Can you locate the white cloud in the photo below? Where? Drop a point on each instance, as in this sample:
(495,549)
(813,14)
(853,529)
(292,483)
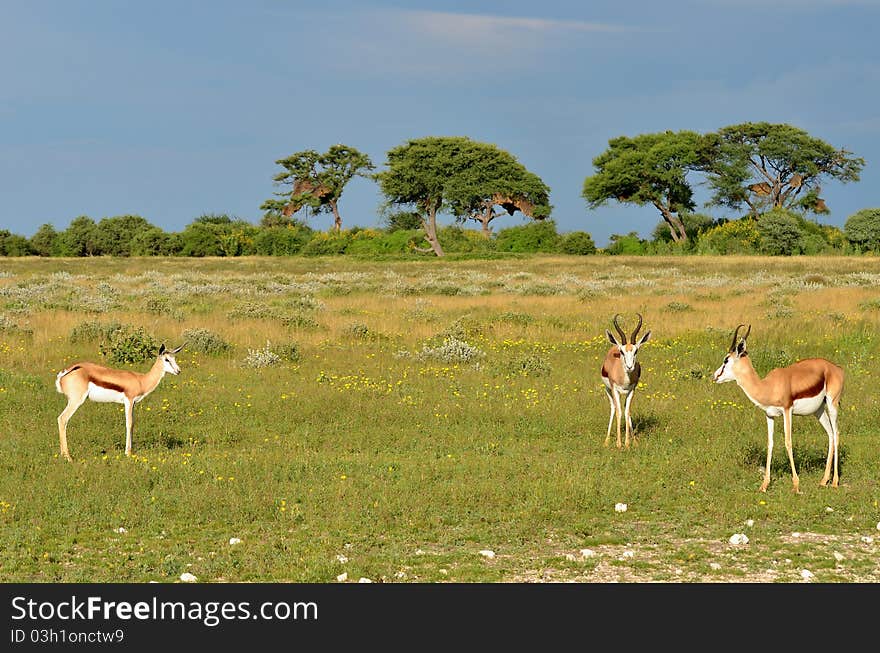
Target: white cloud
(436,43)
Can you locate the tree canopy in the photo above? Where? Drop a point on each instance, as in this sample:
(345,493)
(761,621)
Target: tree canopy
(464,177)
(772,166)
(317,181)
(648,169)
(862,229)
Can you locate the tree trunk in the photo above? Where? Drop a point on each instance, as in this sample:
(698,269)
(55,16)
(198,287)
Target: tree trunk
(485,219)
(676,227)
(430,225)
(337,219)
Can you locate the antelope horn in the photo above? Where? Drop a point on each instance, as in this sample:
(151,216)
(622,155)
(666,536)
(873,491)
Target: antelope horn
(638,326)
(735,333)
(619,330)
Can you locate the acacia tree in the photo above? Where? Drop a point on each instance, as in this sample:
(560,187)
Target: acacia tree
(317,182)
(648,169)
(490,177)
(464,177)
(772,166)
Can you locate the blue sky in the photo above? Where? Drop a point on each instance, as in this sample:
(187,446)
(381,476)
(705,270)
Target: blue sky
(170,110)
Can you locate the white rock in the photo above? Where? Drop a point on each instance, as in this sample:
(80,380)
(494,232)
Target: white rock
(629,553)
(750,522)
(341,558)
(838,556)
(795,534)
(187,577)
(587,553)
(806,574)
(739,538)
(342,577)
(829,509)
(121,529)
(364,580)
(234,540)
(419,552)
(714,565)
(487,553)
(867,539)
(620,507)
(570,557)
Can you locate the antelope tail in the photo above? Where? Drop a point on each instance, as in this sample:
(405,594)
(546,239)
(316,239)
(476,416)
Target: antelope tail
(61,375)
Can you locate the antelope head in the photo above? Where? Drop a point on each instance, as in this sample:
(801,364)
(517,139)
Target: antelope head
(736,351)
(169,363)
(628,350)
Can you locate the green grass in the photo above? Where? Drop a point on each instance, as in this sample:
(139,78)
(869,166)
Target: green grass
(407,465)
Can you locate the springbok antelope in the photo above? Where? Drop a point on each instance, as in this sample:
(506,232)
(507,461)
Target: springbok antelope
(620,374)
(808,387)
(86,380)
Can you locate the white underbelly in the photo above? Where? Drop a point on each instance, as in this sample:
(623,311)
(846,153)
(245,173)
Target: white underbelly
(808,405)
(105,395)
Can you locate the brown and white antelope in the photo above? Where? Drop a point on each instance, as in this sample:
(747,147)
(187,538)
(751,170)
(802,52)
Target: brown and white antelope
(620,374)
(808,387)
(86,380)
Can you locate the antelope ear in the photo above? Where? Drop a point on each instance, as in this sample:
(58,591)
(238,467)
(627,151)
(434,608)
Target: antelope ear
(741,348)
(644,338)
(174,351)
(162,349)
(611,338)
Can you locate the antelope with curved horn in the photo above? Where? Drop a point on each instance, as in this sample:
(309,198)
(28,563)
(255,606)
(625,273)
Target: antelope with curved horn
(808,387)
(86,380)
(620,374)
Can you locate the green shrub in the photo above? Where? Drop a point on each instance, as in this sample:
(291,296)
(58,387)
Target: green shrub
(628,245)
(458,240)
(205,342)
(128,345)
(288,352)
(536,236)
(299,320)
(781,233)
(327,243)
(577,242)
(528,365)
(94,331)
(251,310)
(162,305)
(731,237)
(282,241)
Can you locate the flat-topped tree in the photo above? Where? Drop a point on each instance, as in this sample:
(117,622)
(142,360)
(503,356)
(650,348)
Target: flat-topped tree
(772,166)
(492,178)
(648,169)
(317,181)
(465,178)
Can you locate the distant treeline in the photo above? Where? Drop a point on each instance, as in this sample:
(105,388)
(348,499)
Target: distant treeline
(778,232)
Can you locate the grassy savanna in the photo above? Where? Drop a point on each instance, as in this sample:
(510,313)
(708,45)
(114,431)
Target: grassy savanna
(372,448)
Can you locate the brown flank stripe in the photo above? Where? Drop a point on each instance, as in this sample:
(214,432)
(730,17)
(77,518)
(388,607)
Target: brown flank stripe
(810,391)
(108,386)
